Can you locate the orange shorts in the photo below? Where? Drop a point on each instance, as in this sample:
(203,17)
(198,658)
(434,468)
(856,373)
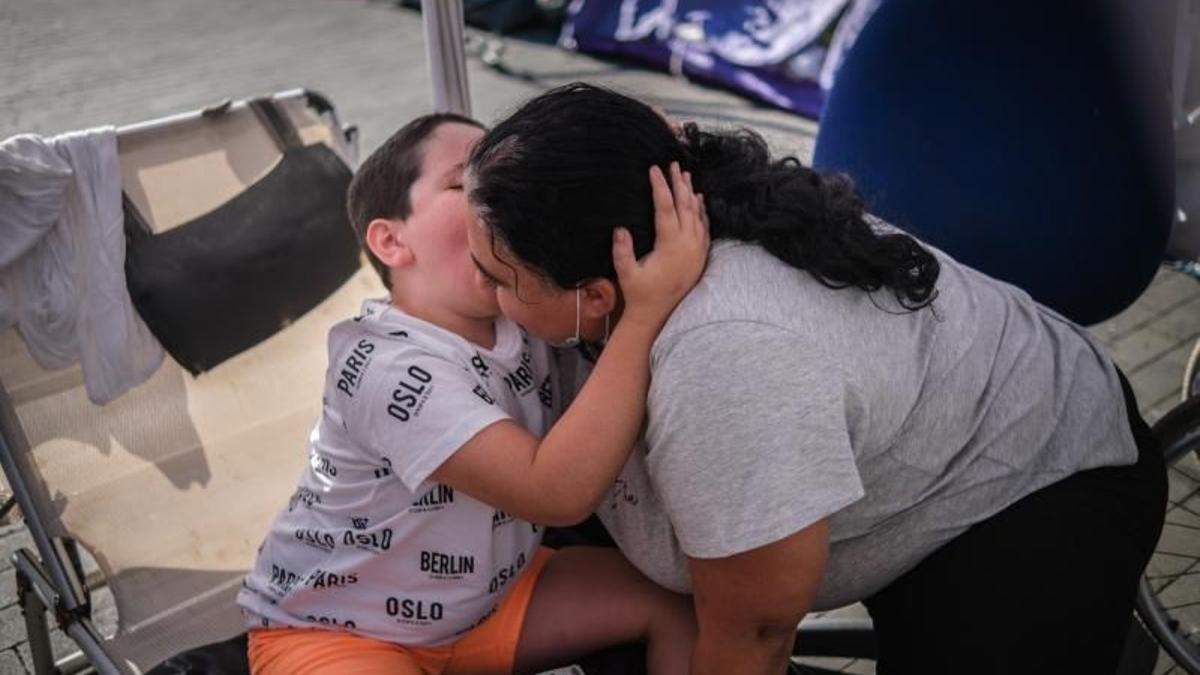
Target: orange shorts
(487,649)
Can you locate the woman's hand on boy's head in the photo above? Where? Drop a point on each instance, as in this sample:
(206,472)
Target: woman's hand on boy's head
(654,285)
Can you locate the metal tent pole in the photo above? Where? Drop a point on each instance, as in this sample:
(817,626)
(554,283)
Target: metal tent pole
(445,52)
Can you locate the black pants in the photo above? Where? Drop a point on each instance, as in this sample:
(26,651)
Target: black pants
(1045,586)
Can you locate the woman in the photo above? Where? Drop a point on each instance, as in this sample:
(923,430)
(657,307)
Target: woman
(837,413)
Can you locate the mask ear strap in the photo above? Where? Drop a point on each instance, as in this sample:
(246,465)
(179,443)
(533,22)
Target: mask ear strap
(606,317)
(577,313)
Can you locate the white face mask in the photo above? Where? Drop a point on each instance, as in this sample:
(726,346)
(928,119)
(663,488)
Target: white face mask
(576,339)
(572,341)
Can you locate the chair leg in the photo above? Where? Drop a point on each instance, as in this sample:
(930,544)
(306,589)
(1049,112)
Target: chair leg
(36,627)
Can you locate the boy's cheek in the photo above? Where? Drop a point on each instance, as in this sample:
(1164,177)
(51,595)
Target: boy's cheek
(486,303)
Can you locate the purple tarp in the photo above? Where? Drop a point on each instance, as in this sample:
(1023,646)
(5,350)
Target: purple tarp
(782,52)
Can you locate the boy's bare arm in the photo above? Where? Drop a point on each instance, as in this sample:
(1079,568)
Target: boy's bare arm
(560,479)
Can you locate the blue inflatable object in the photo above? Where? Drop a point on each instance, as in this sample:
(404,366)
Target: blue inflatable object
(1031,140)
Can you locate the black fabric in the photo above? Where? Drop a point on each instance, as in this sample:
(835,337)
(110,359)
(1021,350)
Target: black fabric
(591,532)
(1140,653)
(220,284)
(1045,586)
(229,658)
(496,16)
(218,658)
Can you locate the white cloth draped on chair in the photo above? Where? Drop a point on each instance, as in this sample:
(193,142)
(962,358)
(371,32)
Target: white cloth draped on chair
(62,260)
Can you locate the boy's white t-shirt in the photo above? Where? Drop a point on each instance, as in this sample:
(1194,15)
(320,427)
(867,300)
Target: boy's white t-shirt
(367,542)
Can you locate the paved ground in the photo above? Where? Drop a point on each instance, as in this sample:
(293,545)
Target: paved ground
(66,65)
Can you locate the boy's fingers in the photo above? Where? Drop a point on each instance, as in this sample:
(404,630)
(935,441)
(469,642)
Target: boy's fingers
(665,219)
(693,204)
(623,258)
(693,199)
(701,217)
(682,195)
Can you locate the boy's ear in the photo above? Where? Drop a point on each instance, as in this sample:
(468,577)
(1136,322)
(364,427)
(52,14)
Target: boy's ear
(599,298)
(386,241)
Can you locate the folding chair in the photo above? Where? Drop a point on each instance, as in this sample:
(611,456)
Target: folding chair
(172,486)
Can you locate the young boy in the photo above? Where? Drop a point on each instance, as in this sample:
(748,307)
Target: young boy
(378,565)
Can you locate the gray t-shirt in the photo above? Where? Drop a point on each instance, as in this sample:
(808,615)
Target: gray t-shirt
(776,402)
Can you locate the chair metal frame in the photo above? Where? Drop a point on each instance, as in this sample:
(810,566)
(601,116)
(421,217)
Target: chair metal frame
(1179,433)
(50,578)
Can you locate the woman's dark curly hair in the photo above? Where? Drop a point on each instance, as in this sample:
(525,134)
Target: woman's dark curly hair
(553,180)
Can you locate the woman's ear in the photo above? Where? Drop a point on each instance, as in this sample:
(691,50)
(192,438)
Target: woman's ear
(599,299)
(386,241)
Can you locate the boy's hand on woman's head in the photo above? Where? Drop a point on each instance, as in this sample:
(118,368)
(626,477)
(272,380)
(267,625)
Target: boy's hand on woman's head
(676,127)
(654,285)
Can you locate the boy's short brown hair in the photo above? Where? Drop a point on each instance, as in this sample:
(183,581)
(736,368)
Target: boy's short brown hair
(380,187)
